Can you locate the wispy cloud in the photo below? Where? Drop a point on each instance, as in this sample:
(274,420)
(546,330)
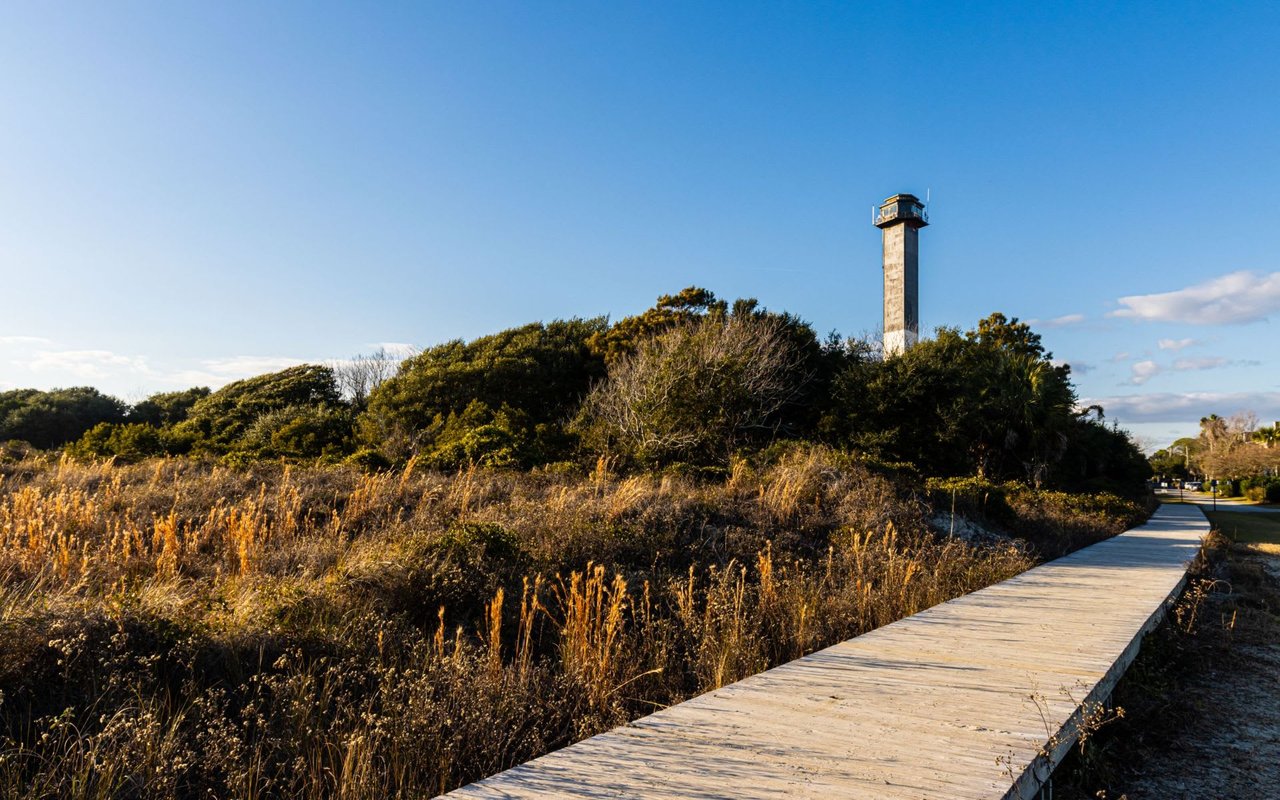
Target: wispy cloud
(1231,299)
(1143,371)
(1057,322)
(251,365)
(1185,407)
(1213,362)
(1176,344)
(30,361)
(219,371)
(396,349)
(1118,357)
(28,340)
(88,364)
(108,367)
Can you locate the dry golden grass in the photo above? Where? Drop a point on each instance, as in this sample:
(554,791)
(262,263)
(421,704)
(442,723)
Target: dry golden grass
(181,629)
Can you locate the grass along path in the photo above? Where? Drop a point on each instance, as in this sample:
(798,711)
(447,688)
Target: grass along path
(1247,527)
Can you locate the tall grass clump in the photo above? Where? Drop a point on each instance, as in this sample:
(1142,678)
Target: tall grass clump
(177,628)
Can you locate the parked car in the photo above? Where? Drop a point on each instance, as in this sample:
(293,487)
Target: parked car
(1193,486)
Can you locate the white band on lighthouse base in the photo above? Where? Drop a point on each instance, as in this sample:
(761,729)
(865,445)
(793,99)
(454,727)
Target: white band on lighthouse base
(896,342)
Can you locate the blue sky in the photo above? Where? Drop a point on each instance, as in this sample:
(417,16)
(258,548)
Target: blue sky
(191,193)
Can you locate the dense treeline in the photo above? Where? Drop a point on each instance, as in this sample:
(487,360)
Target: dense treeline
(689,384)
(51,419)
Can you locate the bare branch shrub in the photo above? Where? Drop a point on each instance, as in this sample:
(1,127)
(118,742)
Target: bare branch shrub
(359,375)
(696,392)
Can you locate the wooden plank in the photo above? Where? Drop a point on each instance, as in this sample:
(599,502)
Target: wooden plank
(976,697)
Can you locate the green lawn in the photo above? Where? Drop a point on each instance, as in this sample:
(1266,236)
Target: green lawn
(1244,526)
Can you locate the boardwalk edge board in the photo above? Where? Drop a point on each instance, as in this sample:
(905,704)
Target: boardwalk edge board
(1037,774)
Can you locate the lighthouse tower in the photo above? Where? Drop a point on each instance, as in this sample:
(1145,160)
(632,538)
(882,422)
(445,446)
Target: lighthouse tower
(900,219)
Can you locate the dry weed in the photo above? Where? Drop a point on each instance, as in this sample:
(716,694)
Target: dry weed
(181,629)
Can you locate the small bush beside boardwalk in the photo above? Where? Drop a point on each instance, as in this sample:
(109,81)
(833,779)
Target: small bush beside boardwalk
(179,628)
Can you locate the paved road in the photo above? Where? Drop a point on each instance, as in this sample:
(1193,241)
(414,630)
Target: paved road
(959,701)
(1224,504)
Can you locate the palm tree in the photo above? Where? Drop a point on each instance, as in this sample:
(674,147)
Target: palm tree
(1040,402)
(1213,428)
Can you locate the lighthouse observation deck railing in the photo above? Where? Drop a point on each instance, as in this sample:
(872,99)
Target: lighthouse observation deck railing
(898,211)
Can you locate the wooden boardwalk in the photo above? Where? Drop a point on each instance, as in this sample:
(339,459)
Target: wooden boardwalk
(973,698)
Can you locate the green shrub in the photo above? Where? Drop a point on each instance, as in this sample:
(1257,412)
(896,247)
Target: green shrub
(1262,489)
(458,569)
(1054,522)
(126,442)
(296,412)
(297,432)
(369,460)
(482,437)
(57,417)
(479,541)
(535,375)
(15,450)
(561,468)
(695,472)
(971,496)
(1059,522)
(167,408)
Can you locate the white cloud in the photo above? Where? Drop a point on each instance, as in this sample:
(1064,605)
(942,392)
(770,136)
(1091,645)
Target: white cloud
(1213,362)
(127,375)
(86,363)
(24,340)
(109,370)
(1057,322)
(1144,371)
(1187,407)
(250,365)
(396,349)
(1176,344)
(1234,298)
(216,372)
